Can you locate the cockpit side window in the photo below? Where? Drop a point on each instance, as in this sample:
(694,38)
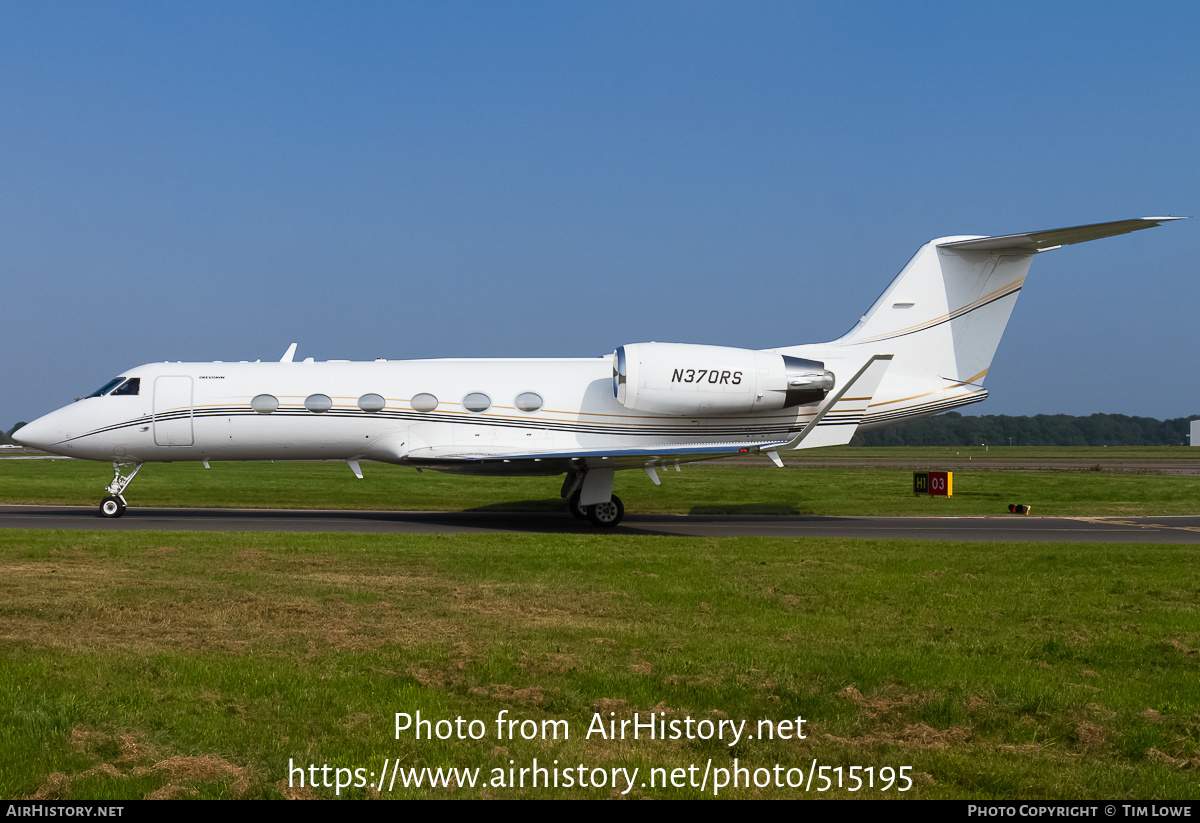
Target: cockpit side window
(119,385)
(129,387)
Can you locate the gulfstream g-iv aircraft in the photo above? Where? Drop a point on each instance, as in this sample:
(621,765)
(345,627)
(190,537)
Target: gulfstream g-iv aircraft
(923,347)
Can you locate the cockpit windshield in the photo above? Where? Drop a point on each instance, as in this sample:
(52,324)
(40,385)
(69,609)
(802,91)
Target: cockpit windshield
(107,387)
(119,385)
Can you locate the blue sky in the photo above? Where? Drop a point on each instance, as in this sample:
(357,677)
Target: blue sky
(213,181)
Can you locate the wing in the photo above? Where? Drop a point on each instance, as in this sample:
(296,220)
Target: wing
(834,424)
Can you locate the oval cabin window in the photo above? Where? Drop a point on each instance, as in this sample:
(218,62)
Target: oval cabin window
(318,403)
(477,401)
(424,402)
(264,403)
(371,402)
(528,401)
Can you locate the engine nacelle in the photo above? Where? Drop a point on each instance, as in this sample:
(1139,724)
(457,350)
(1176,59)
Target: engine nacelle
(681,378)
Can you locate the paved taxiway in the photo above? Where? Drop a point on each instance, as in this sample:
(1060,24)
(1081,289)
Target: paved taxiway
(1014,528)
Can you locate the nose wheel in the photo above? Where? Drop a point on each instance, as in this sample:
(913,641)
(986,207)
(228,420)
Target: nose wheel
(114,505)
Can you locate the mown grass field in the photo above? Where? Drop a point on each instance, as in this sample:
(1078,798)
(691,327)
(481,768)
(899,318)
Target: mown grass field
(184,665)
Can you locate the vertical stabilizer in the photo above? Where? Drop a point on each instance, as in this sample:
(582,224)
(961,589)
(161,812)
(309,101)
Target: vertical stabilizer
(943,316)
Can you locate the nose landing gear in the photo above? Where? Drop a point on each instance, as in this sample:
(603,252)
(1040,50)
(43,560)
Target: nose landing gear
(114,505)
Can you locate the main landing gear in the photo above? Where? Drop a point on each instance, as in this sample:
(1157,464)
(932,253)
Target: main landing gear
(114,505)
(595,485)
(606,514)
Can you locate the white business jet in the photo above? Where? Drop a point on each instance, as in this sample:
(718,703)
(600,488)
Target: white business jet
(923,347)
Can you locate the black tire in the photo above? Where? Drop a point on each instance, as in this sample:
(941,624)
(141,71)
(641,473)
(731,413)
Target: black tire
(607,515)
(576,509)
(112,507)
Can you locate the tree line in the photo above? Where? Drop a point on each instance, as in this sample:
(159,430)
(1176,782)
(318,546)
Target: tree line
(954,429)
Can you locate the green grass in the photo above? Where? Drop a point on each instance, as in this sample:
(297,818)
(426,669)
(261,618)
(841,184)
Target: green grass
(184,665)
(1105,482)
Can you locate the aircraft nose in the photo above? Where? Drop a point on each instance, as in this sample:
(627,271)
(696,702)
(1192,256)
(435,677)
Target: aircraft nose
(39,434)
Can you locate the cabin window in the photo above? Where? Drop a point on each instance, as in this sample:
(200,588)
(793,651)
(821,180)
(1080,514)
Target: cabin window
(265,403)
(477,401)
(423,402)
(318,403)
(528,401)
(371,402)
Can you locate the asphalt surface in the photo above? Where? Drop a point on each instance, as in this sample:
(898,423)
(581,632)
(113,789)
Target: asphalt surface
(1010,528)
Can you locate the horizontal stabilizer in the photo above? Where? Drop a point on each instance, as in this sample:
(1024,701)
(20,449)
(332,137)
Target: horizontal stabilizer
(1048,239)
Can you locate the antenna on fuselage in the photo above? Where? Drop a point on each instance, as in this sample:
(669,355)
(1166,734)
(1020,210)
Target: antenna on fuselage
(289,354)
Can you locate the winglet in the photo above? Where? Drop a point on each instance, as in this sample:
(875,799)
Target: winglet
(289,354)
(839,418)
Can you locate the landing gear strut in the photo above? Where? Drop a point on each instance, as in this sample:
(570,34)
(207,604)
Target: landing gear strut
(114,505)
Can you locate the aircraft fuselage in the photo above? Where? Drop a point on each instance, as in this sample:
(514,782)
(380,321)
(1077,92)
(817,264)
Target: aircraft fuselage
(414,412)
